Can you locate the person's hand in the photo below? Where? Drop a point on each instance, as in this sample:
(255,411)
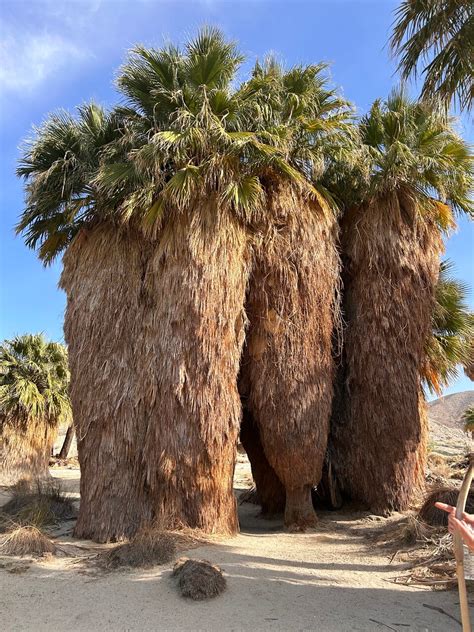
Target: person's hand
(459,526)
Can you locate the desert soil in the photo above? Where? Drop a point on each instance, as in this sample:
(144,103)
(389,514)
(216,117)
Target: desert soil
(332,580)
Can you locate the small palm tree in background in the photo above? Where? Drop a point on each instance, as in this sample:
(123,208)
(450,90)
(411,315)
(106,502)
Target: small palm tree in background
(412,170)
(448,344)
(439,34)
(468,418)
(34,401)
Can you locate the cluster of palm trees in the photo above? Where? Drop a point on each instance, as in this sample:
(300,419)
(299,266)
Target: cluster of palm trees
(243,251)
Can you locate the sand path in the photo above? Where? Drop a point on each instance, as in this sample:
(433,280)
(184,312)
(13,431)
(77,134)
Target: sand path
(329,581)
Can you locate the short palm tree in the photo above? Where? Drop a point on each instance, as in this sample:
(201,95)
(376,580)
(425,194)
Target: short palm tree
(412,171)
(447,346)
(287,369)
(155,270)
(439,33)
(468,418)
(34,401)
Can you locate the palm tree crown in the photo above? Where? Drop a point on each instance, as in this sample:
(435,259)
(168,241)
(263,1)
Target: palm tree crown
(59,165)
(440,32)
(411,150)
(34,379)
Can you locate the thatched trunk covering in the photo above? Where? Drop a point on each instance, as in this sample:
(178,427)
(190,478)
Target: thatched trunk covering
(155,336)
(25,449)
(198,279)
(378,442)
(291,306)
(108,348)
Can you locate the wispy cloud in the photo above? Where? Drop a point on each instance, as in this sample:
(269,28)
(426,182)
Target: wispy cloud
(26,60)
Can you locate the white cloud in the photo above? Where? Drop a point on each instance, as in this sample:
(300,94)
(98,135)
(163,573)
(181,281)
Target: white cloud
(26,60)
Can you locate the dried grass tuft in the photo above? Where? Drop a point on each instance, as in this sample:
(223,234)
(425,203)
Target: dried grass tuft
(150,547)
(448,494)
(40,507)
(26,540)
(199,579)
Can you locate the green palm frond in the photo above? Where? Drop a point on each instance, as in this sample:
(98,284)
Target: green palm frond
(186,134)
(59,166)
(447,347)
(440,35)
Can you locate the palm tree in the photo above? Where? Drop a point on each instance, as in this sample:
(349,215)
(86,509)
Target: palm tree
(287,370)
(103,269)
(413,169)
(155,270)
(468,418)
(452,328)
(34,400)
(441,34)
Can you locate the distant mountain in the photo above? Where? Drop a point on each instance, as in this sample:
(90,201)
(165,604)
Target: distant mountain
(446,424)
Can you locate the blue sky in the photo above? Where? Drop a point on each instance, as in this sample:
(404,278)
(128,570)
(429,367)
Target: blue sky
(58,54)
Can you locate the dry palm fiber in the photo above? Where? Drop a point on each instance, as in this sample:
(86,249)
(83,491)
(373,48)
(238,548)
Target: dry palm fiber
(448,494)
(40,507)
(421,460)
(108,344)
(269,490)
(292,307)
(25,448)
(148,548)
(199,579)
(197,279)
(26,540)
(392,263)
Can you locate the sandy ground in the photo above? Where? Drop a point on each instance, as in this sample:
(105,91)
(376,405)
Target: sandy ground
(332,580)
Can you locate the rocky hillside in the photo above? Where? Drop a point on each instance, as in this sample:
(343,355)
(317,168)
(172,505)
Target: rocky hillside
(446,425)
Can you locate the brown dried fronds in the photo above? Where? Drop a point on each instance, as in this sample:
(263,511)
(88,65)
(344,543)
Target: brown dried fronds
(150,547)
(199,579)
(427,550)
(41,506)
(448,494)
(438,468)
(26,540)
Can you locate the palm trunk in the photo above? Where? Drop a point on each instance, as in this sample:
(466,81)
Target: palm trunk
(64,452)
(155,336)
(103,279)
(292,308)
(270,490)
(378,444)
(198,279)
(24,452)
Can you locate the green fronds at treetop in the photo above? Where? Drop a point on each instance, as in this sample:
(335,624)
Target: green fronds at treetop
(187,132)
(412,150)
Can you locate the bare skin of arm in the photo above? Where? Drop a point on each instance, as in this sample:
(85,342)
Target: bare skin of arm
(460,526)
